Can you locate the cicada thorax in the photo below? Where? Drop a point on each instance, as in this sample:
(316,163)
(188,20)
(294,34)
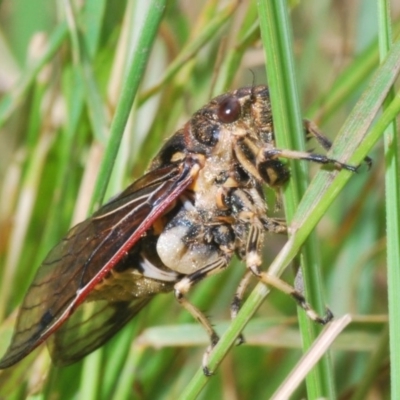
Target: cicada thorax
(213,215)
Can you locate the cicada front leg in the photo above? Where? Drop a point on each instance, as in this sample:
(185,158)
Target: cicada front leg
(273,154)
(312,132)
(268,157)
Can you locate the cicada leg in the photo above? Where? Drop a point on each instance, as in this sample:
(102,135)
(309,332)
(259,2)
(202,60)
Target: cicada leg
(272,154)
(253,262)
(274,225)
(239,294)
(182,287)
(238,298)
(312,131)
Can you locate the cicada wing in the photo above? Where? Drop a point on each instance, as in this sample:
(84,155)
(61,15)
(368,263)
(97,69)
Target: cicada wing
(90,327)
(89,251)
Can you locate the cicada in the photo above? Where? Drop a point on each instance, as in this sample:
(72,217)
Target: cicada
(200,202)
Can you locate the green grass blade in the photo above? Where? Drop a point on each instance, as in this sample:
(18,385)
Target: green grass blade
(289,131)
(129,89)
(392,196)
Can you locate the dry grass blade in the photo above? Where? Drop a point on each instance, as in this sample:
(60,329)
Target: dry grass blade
(313,355)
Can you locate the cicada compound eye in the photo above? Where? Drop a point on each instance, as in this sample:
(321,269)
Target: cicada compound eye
(229,110)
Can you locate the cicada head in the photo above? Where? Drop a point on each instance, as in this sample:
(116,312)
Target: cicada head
(216,127)
(232,129)
(245,112)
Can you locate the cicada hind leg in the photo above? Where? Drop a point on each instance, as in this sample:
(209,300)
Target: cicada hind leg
(253,262)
